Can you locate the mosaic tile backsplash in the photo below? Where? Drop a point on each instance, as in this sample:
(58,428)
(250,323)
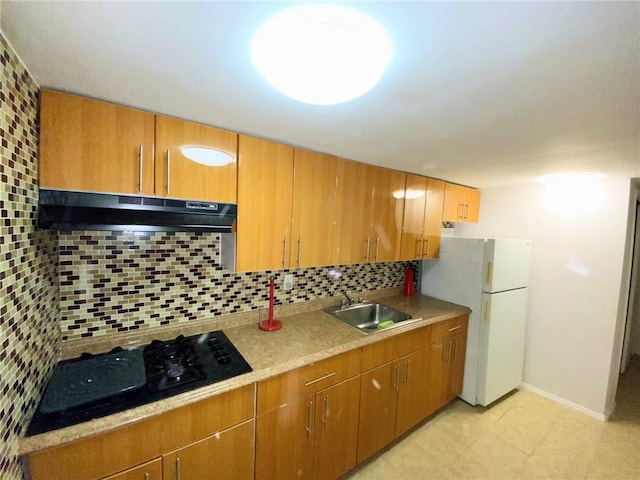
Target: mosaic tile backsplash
(114,282)
(29,329)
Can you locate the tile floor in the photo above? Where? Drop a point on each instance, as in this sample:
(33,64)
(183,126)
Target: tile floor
(523,436)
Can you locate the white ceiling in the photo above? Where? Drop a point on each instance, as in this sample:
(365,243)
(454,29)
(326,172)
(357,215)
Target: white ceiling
(477,93)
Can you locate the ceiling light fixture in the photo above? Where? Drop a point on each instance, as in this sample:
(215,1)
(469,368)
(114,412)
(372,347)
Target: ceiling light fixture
(207,156)
(321,54)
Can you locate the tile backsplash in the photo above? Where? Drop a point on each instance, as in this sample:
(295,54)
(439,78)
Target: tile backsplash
(29,328)
(114,282)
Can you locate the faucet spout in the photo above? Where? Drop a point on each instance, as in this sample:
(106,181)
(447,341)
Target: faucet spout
(349,301)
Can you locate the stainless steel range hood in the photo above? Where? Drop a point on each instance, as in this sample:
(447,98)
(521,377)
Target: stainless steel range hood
(69,210)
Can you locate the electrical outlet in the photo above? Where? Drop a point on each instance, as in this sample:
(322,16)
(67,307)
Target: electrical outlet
(288,282)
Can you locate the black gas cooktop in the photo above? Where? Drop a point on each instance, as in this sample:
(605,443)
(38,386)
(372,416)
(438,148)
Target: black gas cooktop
(93,386)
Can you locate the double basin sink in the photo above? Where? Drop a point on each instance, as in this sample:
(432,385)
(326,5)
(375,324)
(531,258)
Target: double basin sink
(369,317)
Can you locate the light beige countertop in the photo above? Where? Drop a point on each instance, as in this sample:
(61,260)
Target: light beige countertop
(306,337)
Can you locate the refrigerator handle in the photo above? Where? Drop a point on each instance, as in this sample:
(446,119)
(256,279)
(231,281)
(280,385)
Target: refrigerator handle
(487,307)
(489,278)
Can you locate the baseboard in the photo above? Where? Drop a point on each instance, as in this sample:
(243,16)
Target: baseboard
(564,401)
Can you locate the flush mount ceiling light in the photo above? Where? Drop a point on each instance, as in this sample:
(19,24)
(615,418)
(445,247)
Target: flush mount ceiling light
(409,194)
(321,54)
(207,156)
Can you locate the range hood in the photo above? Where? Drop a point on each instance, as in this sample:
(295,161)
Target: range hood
(70,210)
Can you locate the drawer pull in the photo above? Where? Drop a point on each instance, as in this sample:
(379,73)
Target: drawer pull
(178,474)
(452,329)
(324,377)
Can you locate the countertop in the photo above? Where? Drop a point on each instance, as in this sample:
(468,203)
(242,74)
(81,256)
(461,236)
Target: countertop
(306,337)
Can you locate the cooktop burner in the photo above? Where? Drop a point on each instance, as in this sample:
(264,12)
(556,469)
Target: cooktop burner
(93,386)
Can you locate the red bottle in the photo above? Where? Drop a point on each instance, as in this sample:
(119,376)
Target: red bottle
(408,282)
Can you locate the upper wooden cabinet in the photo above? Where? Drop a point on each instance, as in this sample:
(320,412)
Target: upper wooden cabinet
(422,222)
(265,199)
(387,214)
(461,204)
(313,222)
(355,215)
(180,177)
(90,145)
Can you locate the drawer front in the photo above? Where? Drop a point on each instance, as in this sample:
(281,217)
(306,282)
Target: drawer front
(196,421)
(148,471)
(395,347)
(307,380)
(448,328)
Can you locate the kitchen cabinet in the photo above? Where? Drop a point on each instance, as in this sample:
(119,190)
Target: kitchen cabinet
(448,347)
(265,199)
(226,454)
(307,420)
(461,204)
(355,197)
(387,214)
(423,203)
(313,223)
(90,145)
(131,447)
(149,471)
(178,176)
(393,395)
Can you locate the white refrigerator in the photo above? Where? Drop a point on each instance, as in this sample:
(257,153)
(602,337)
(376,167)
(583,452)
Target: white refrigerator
(490,276)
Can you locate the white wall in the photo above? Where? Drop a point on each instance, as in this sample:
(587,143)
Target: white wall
(577,266)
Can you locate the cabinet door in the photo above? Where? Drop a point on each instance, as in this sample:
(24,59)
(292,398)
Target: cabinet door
(415,195)
(314,209)
(437,391)
(412,391)
(180,177)
(355,203)
(453,210)
(433,218)
(265,198)
(227,454)
(387,214)
(336,429)
(149,471)
(456,365)
(284,441)
(378,402)
(472,198)
(95,146)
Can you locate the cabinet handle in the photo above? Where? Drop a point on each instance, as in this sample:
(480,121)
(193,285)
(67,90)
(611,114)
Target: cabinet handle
(147,476)
(140,160)
(396,376)
(426,255)
(461,205)
(368,247)
(453,329)
(455,349)
(310,419)
(299,250)
(406,375)
(466,212)
(377,245)
(421,248)
(178,474)
(324,377)
(326,411)
(168,171)
(284,249)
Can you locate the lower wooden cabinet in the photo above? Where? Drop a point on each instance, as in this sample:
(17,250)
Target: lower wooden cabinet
(226,454)
(314,437)
(149,471)
(447,363)
(393,399)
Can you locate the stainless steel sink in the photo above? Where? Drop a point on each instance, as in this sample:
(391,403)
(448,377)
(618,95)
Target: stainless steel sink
(369,317)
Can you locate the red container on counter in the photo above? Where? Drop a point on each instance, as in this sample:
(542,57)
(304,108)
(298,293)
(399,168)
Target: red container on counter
(408,282)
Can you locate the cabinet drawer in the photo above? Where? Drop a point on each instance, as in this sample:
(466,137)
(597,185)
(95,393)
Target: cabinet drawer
(448,328)
(201,419)
(395,347)
(149,471)
(307,380)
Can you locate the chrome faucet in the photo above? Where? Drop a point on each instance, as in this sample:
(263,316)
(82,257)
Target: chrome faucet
(344,303)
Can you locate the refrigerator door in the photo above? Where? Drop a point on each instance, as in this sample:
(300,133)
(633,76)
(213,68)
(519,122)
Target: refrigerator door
(506,264)
(501,347)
